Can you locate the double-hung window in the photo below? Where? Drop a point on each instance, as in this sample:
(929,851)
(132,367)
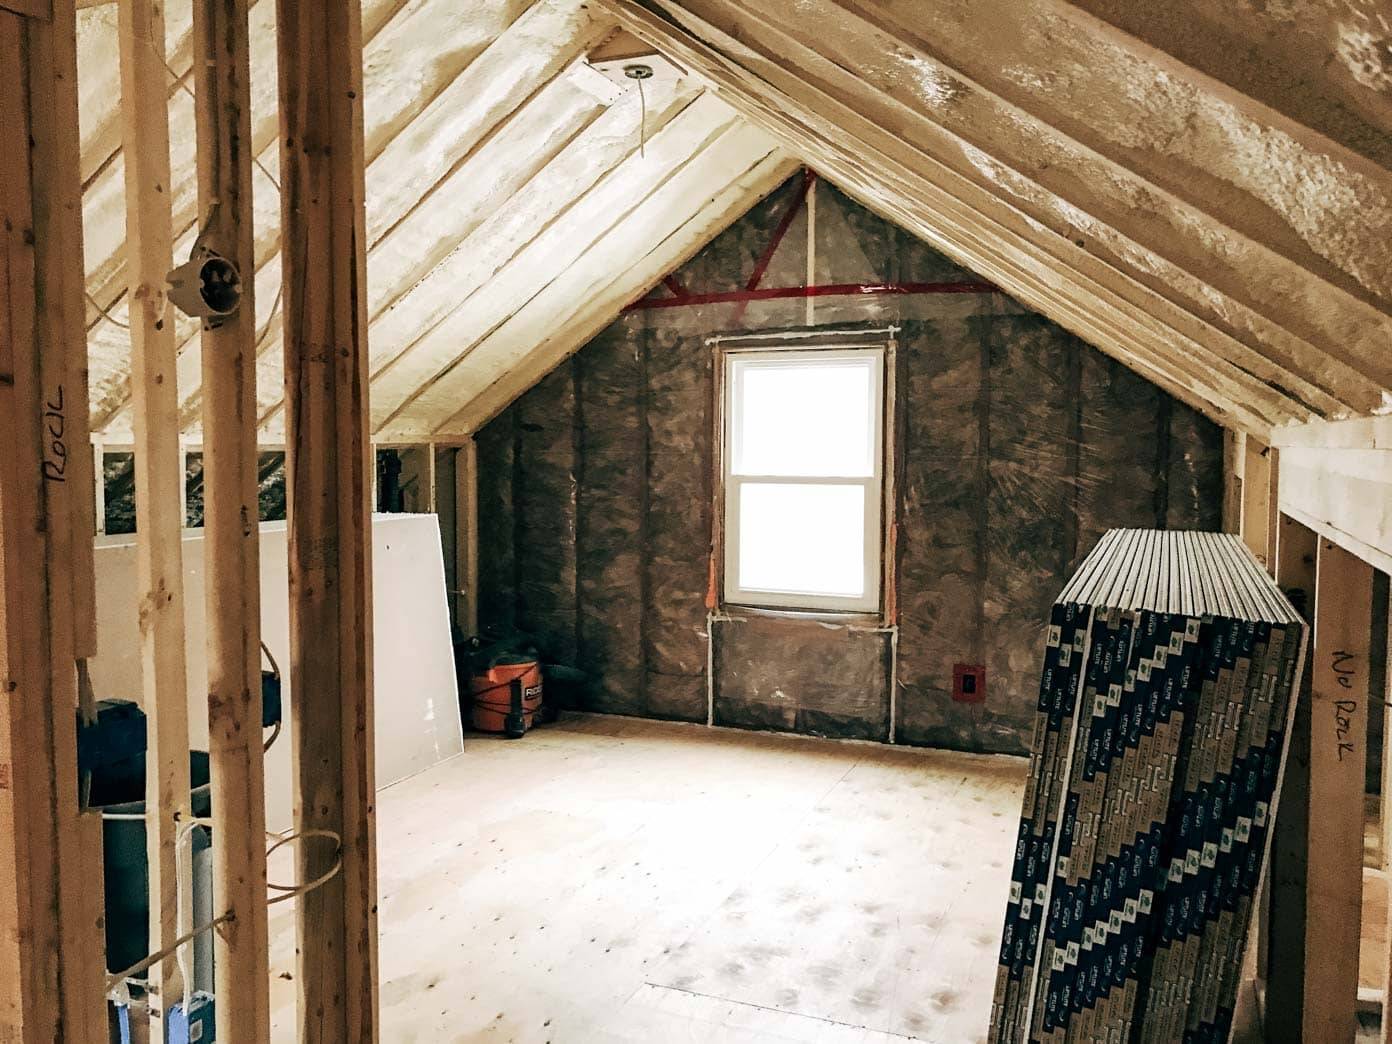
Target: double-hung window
(803,477)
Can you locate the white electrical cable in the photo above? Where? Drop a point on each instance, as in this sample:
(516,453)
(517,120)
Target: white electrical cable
(117,980)
(294,891)
(185,833)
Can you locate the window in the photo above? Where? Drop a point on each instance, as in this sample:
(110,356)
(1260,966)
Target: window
(803,478)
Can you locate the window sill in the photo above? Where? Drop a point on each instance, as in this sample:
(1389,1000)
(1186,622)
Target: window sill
(871,620)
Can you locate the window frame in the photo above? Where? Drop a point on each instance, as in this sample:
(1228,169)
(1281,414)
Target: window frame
(878,486)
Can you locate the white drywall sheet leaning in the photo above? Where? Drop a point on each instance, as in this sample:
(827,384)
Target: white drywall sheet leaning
(417,697)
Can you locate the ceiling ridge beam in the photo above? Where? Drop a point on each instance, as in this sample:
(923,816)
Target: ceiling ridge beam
(1045,281)
(1327,382)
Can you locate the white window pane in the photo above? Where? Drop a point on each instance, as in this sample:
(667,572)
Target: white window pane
(805,418)
(802,539)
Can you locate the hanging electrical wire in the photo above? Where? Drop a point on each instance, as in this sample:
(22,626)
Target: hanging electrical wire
(116,981)
(640,72)
(261,337)
(105,314)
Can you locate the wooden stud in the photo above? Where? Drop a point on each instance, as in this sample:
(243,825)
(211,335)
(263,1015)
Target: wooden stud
(39,9)
(466,541)
(1387,840)
(99,485)
(1234,460)
(330,540)
(1287,876)
(159,480)
(432,505)
(1386,709)
(51,954)
(222,65)
(1338,735)
(373,500)
(1259,499)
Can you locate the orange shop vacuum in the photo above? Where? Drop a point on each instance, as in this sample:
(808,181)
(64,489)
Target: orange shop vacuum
(506,698)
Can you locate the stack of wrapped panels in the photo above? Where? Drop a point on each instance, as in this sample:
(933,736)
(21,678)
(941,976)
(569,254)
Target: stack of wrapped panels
(1163,718)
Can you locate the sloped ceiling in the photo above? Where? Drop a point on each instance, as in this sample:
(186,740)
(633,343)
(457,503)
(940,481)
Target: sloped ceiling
(517,199)
(1227,238)
(1203,191)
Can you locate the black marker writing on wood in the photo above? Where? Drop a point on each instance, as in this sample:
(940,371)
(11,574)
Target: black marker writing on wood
(55,465)
(1344,669)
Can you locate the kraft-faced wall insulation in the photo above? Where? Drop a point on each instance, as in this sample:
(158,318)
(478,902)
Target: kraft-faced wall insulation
(611,517)
(497,567)
(1018,448)
(545,503)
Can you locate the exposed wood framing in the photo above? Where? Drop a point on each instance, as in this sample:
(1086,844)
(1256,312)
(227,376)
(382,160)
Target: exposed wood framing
(231,535)
(328,479)
(534,341)
(419,150)
(99,485)
(396,28)
(1234,463)
(1337,479)
(858,83)
(1338,738)
(1287,877)
(1224,237)
(1382,703)
(51,954)
(159,482)
(466,540)
(1260,479)
(40,9)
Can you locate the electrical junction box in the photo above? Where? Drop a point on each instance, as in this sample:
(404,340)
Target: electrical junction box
(192,1022)
(968,683)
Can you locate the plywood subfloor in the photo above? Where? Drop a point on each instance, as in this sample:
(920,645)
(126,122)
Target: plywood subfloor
(609,879)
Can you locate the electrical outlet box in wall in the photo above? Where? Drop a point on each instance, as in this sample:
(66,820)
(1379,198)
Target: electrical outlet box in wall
(968,683)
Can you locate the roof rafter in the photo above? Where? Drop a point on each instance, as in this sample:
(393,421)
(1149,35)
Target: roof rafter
(604,296)
(1327,383)
(558,245)
(729,152)
(419,142)
(534,193)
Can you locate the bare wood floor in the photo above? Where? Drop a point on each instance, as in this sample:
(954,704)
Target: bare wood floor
(615,880)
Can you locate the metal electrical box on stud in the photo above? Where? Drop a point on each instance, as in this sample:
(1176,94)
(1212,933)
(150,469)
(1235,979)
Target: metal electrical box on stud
(968,683)
(207,286)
